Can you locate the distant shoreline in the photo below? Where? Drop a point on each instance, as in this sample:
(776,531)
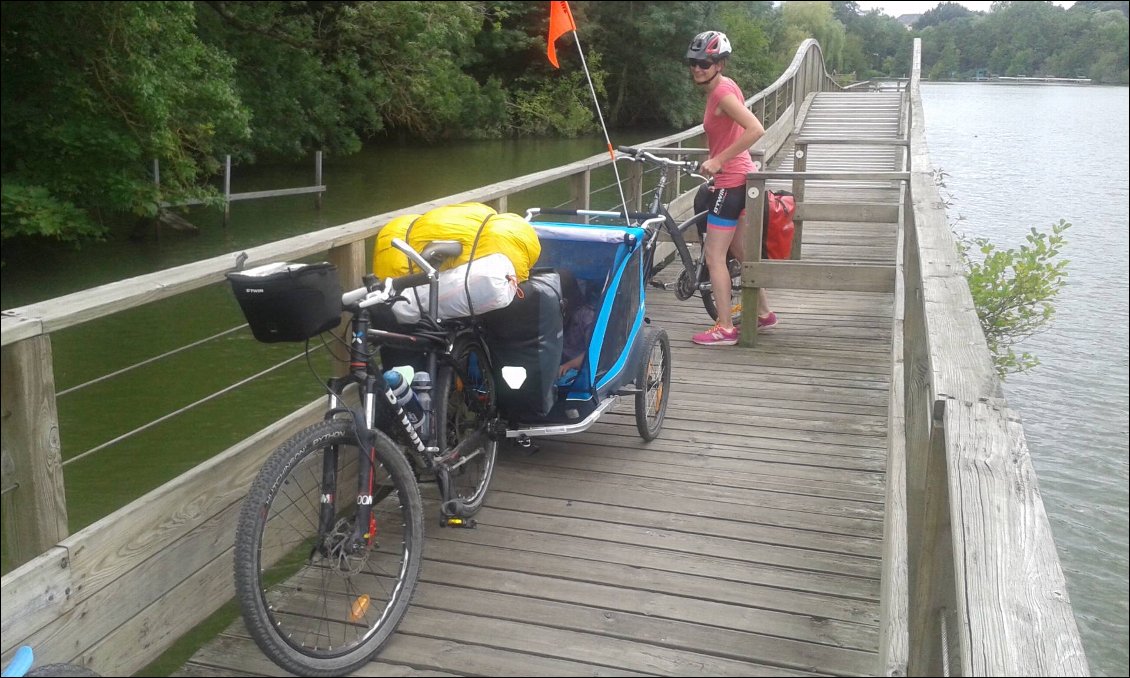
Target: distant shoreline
(1025,80)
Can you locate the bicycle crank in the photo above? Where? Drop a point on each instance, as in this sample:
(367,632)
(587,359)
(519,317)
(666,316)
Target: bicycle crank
(685,286)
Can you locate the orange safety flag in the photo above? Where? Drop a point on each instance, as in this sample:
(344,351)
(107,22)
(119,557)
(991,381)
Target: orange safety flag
(560,23)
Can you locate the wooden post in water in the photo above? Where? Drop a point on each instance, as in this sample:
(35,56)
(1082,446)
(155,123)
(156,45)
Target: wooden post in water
(227,189)
(318,179)
(34,500)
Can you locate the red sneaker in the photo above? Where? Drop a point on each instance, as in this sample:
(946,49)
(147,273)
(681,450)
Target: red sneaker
(716,336)
(767,322)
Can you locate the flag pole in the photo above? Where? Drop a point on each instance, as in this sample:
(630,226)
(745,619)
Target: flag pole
(603,127)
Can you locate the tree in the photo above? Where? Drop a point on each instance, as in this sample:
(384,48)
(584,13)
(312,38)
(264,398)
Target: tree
(327,75)
(815,20)
(948,64)
(92,93)
(944,12)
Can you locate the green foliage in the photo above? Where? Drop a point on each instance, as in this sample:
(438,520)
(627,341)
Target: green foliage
(1013,291)
(33,211)
(92,93)
(816,20)
(561,106)
(1029,38)
(945,11)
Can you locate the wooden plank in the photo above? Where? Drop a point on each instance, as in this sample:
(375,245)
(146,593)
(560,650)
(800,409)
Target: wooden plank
(894,615)
(817,276)
(34,594)
(275,193)
(487,552)
(35,510)
(1012,596)
(130,599)
(857,212)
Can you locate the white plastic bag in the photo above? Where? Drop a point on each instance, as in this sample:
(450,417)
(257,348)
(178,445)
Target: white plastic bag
(491,283)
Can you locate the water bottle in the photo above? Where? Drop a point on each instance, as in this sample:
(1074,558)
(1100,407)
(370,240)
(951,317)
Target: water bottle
(406,397)
(422,387)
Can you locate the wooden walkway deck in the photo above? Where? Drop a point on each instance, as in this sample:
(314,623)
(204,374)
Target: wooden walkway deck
(745,540)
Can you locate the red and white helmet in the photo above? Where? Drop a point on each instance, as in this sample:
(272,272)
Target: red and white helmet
(713,45)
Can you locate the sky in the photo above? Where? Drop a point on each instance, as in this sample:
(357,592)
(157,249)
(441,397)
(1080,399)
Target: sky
(896,9)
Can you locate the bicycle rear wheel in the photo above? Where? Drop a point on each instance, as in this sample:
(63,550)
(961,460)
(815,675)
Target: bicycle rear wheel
(314,605)
(708,303)
(465,407)
(654,383)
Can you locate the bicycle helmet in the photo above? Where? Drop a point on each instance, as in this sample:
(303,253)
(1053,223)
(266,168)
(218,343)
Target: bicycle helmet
(712,45)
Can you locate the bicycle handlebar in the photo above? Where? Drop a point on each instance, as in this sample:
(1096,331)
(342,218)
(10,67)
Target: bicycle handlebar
(366,296)
(640,155)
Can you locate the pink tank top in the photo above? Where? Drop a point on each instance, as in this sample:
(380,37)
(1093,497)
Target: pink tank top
(722,132)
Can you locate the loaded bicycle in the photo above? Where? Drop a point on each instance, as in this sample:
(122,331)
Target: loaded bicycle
(329,540)
(695,275)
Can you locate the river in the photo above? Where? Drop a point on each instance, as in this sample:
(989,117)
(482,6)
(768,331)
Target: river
(1025,156)
(1017,157)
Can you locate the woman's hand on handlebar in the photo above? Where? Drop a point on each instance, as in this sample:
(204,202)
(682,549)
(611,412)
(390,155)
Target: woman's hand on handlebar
(710,167)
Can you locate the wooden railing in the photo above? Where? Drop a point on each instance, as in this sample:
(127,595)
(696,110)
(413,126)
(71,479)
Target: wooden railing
(972,582)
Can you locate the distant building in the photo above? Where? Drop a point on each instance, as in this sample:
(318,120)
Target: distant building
(908,20)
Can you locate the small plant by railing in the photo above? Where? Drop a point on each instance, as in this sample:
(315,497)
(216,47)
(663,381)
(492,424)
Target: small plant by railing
(1013,289)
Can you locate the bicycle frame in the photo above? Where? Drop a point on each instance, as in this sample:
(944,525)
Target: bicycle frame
(675,231)
(375,394)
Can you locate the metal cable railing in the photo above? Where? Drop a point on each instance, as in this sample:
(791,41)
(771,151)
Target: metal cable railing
(148,361)
(188,407)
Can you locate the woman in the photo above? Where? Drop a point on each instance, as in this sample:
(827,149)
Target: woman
(730,130)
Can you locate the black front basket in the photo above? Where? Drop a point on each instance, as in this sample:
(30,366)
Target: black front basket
(289,302)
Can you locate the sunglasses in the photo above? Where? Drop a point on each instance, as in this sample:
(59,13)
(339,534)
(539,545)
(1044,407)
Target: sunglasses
(702,64)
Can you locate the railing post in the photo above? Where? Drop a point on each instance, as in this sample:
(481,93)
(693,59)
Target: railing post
(350,262)
(580,185)
(499,204)
(750,226)
(34,498)
(932,627)
(635,187)
(800,164)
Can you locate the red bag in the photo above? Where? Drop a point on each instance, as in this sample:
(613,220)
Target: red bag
(777,236)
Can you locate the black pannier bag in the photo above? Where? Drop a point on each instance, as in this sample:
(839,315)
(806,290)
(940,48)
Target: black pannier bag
(526,337)
(289,302)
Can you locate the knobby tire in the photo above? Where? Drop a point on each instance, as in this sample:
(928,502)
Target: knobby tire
(315,611)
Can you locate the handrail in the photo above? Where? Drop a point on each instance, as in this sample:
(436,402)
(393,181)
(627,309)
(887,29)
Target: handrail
(987,592)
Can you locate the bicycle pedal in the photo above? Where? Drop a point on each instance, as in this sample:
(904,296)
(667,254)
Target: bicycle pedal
(663,285)
(453,521)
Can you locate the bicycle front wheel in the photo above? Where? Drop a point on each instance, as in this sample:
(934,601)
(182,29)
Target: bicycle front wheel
(466,410)
(708,302)
(317,601)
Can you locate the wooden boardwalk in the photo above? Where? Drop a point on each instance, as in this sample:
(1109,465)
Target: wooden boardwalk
(745,540)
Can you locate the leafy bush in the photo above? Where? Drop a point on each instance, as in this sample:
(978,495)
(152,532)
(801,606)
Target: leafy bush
(1013,291)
